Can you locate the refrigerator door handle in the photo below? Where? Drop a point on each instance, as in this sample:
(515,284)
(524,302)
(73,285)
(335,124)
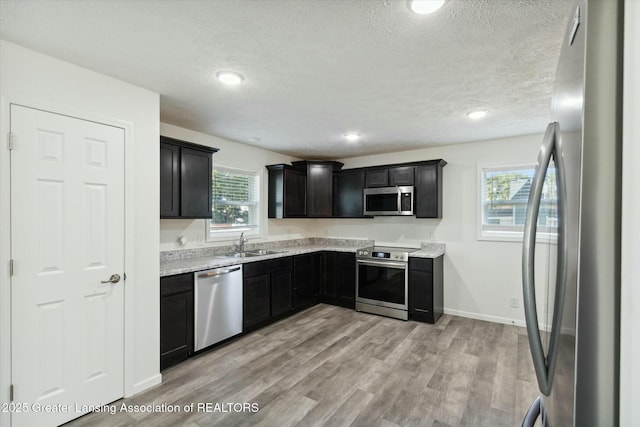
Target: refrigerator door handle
(535,411)
(544,366)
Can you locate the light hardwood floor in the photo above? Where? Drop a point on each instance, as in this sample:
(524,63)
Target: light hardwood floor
(330,366)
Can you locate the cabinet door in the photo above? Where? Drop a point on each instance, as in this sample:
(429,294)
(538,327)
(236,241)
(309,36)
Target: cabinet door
(295,193)
(428,196)
(169,180)
(421,290)
(319,190)
(377,178)
(401,175)
(281,292)
(195,185)
(256,300)
(330,277)
(346,276)
(176,319)
(305,276)
(347,195)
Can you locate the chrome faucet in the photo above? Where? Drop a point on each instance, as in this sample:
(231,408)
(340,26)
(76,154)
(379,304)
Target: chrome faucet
(242,242)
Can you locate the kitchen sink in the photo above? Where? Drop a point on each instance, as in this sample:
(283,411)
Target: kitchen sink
(259,252)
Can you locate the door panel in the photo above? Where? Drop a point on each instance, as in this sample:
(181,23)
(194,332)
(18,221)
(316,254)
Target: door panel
(67,209)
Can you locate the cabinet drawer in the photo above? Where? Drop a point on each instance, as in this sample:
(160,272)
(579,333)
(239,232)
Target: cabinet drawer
(264,267)
(421,264)
(170,285)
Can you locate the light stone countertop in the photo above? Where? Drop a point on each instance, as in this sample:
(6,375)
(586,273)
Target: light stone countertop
(188,261)
(429,250)
(178,262)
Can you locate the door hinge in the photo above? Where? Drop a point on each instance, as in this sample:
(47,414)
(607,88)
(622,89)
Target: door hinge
(10,141)
(10,268)
(11,393)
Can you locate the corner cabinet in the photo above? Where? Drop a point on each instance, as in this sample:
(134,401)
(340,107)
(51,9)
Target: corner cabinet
(319,186)
(185,179)
(287,192)
(176,319)
(425,289)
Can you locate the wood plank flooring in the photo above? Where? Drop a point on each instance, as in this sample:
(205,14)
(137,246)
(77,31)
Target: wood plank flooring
(331,366)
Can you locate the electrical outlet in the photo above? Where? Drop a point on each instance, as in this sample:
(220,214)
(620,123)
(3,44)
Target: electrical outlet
(513,302)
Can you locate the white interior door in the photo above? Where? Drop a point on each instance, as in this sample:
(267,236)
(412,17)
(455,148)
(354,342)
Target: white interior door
(67,237)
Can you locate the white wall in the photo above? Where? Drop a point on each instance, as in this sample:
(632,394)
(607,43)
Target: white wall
(37,80)
(233,155)
(630,253)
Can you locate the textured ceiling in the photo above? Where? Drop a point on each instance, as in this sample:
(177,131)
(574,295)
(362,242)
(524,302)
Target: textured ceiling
(316,69)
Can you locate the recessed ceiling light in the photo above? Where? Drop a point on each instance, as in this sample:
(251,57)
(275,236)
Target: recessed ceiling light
(422,7)
(476,115)
(352,136)
(230,77)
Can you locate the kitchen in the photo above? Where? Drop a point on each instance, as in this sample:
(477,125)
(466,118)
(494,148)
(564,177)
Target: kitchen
(473,288)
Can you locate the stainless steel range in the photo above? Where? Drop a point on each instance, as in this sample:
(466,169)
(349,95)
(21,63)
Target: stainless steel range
(382,281)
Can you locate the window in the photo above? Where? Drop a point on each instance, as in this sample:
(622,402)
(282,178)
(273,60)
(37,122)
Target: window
(503,202)
(235,203)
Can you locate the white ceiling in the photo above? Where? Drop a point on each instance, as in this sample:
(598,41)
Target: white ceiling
(316,69)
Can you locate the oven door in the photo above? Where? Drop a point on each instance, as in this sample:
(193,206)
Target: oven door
(382,283)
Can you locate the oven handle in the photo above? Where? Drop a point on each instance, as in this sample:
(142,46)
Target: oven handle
(389,264)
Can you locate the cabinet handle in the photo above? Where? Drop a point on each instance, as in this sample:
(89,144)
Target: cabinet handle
(217,272)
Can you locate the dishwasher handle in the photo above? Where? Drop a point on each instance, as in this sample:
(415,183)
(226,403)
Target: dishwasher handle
(219,272)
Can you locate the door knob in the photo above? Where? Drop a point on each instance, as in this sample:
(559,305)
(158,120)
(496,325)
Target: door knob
(115,278)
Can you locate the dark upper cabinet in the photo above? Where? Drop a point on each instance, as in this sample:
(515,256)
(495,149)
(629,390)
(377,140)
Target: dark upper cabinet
(185,179)
(319,186)
(169,180)
(321,189)
(287,192)
(347,193)
(401,176)
(426,289)
(375,177)
(428,191)
(176,319)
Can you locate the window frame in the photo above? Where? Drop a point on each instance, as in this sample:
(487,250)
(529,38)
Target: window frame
(503,235)
(234,233)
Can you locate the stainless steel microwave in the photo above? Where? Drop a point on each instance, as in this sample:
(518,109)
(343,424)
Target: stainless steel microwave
(388,201)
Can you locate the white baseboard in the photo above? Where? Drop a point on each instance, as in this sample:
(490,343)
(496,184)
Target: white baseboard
(144,385)
(486,317)
(496,319)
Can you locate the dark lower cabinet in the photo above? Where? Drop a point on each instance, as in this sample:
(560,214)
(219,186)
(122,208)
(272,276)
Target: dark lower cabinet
(307,280)
(267,291)
(256,300)
(281,292)
(339,282)
(425,289)
(176,319)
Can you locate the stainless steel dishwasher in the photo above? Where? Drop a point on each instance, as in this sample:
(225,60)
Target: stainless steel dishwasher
(218,305)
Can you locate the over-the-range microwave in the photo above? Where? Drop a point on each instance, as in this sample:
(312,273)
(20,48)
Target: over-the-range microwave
(388,201)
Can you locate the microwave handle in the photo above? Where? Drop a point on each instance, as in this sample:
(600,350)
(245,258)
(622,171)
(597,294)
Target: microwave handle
(399,201)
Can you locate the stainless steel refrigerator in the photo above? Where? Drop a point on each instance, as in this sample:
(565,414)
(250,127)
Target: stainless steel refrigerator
(572,305)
